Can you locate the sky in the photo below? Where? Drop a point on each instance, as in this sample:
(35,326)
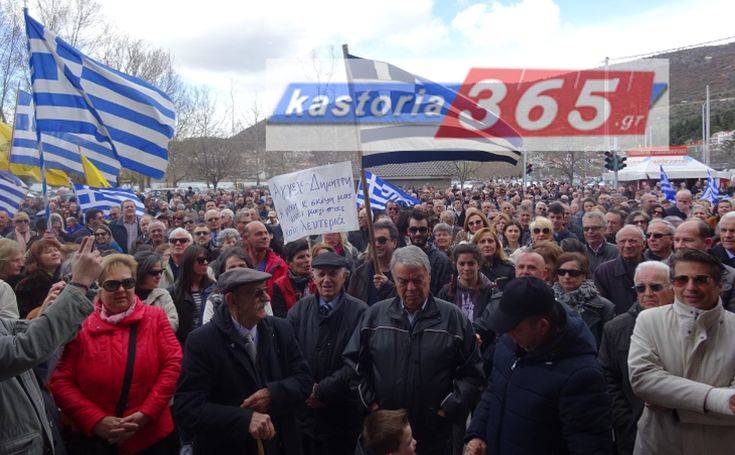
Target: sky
(226,44)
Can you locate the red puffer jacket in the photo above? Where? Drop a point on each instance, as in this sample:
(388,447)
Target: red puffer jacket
(88,380)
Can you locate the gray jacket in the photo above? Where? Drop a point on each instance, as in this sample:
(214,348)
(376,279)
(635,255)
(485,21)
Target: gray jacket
(24,428)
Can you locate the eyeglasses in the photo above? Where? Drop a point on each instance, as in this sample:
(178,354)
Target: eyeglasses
(699,280)
(201,260)
(21,221)
(539,230)
(381,240)
(655,287)
(178,241)
(656,235)
(188,221)
(114,285)
(475,223)
(571,272)
(155,272)
(421,229)
(591,228)
(201,233)
(100,234)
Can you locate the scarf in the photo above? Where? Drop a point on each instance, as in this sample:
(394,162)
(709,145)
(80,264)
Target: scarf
(577,298)
(114,319)
(300,283)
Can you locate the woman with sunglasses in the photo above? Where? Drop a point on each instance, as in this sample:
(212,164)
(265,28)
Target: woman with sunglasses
(473,222)
(191,290)
(542,230)
(656,211)
(147,281)
(638,218)
(495,266)
(574,288)
(104,242)
(122,338)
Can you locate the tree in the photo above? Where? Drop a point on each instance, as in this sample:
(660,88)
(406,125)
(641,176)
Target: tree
(11,57)
(465,170)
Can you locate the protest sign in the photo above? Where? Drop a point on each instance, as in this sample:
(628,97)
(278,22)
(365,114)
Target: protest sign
(315,201)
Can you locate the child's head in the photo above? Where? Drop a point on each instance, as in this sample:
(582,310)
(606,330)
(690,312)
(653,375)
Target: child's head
(388,433)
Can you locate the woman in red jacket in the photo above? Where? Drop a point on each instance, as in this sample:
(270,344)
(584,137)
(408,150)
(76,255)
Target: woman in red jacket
(288,289)
(117,405)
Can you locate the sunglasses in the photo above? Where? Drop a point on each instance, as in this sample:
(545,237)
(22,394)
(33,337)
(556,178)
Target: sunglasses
(381,240)
(639,221)
(422,229)
(178,241)
(202,260)
(655,287)
(155,272)
(201,233)
(544,230)
(188,221)
(572,273)
(699,280)
(114,285)
(591,228)
(475,223)
(100,234)
(656,235)
(21,221)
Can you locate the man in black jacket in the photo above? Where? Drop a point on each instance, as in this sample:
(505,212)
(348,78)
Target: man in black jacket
(243,375)
(323,324)
(653,288)
(546,393)
(418,353)
(441,267)
(614,279)
(725,251)
(126,229)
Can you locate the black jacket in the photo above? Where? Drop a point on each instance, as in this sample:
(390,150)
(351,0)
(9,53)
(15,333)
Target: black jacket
(322,341)
(607,252)
(431,366)
(499,272)
(614,280)
(719,252)
(627,408)
(549,401)
(189,318)
(217,375)
(31,291)
(362,288)
(120,233)
(441,268)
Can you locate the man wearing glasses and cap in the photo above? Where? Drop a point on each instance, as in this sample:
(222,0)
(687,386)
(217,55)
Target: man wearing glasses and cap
(653,288)
(323,324)
(546,393)
(243,376)
(681,364)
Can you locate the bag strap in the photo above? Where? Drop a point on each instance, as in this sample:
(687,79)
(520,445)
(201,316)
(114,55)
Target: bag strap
(122,402)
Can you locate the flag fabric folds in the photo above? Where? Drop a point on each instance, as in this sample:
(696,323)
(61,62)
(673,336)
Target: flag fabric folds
(666,187)
(109,109)
(12,193)
(402,141)
(381,192)
(61,151)
(105,198)
(711,191)
(93,176)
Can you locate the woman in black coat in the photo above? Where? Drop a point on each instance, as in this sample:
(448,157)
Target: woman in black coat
(495,265)
(191,289)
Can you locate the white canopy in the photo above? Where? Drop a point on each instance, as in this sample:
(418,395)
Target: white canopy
(675,166)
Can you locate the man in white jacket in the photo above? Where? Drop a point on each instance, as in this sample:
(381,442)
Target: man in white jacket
(682,364)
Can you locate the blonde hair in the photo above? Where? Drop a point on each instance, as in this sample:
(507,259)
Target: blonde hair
(8,250)
(541,222)
(320,248)
(499,251)
(117,260)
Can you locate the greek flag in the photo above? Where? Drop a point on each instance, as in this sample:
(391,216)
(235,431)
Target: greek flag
(711,192)
(60,150)
(105,198)
(381,192)
(666,187)
(11,193)
(410,142)
(76,94)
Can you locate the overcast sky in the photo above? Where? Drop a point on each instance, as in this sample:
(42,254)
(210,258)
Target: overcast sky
(224,43)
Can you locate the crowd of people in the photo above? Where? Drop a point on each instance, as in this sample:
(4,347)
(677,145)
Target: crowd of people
(562,319)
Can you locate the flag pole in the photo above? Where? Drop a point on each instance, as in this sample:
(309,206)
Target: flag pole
(365,189)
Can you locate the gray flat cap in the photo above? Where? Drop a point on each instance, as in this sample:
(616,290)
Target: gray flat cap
(239,276)
(329,259)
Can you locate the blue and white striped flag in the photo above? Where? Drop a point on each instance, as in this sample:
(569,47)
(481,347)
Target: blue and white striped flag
(711,192)
(11,194)
(76,94)
(666,187)
(381,192)
(60,150)
(105,198)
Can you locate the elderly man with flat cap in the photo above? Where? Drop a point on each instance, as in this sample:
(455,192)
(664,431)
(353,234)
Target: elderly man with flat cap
(243,375)
(546,393)
(324,322)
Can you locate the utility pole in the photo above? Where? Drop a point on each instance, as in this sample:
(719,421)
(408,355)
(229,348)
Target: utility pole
(707,133)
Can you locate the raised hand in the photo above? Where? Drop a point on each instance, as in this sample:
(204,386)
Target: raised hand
(87,263)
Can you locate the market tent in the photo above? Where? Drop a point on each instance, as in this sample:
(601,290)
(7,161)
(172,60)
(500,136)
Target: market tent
(675,166)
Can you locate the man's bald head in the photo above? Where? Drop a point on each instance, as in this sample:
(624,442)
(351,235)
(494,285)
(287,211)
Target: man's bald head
(531,264)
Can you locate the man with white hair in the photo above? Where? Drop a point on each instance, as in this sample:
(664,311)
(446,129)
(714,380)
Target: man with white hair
(179,240)
(614,279)
(227,219)
(418,353)
(725,251)
(653,288)
(660,240)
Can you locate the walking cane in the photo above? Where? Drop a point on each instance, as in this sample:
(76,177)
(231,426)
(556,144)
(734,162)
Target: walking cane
(261,450)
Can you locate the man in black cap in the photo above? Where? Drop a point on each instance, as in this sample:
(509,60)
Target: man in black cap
(243,375)
(546,393)
(323,324)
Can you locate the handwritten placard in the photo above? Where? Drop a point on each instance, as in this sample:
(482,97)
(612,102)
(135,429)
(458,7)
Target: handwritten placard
(315,201)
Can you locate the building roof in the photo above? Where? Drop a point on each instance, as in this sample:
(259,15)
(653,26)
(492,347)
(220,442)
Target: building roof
(417,171)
